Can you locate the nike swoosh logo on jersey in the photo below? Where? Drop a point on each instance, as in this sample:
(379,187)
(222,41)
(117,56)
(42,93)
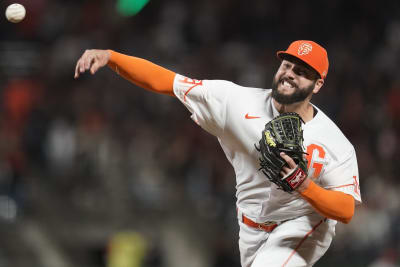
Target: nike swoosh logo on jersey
(247,116)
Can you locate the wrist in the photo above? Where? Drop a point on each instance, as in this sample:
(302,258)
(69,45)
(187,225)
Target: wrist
(110,55)
(304,185)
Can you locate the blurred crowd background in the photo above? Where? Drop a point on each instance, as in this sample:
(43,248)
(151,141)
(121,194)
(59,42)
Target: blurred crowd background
(98,172)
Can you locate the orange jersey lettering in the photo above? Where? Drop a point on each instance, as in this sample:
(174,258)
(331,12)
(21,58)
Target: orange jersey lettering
(316,160)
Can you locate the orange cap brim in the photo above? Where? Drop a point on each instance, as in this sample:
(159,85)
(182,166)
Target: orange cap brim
(310,53)
(280,53)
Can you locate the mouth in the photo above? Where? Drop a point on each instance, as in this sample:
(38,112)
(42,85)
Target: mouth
(287,83)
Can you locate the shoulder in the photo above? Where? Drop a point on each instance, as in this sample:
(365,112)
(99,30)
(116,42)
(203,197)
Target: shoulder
(323,131)
(204,90)
(237,92)
(222,84)
(234,87)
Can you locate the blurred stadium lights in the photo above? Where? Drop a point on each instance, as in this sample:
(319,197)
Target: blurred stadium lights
(130,7)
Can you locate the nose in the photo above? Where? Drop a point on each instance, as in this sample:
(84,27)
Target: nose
(289,73)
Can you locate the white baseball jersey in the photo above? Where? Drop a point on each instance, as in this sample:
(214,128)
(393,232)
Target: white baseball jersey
(236,115)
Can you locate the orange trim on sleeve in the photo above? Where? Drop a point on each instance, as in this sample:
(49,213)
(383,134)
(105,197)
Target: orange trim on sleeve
(332,204)
(143,73)
(341,186)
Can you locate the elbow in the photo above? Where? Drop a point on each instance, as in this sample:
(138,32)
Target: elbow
(349,213)
(161,88)
(163,84)
(346,219)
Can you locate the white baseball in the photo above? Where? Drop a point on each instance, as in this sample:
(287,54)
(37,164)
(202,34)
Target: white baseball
(15,13)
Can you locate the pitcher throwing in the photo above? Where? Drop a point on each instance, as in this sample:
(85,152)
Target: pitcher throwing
(278,226)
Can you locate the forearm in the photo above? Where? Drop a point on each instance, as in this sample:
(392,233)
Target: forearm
(142,73)
(332,204)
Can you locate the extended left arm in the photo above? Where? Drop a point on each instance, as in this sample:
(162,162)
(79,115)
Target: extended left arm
(331,204)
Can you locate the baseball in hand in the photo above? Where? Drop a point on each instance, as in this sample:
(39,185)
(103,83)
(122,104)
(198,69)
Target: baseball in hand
(15,13)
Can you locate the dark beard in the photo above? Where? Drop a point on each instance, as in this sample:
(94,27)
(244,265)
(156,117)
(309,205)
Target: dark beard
(298,95)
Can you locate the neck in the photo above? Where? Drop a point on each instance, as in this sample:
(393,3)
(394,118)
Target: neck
(304,109)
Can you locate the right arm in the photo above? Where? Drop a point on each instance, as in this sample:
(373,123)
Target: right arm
(136,70)
(205,99)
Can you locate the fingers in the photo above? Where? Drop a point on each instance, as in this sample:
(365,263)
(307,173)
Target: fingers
(288,160)
(88,61)
(80,67)
(285,171)
(77,69)
(91,60)
(84,63)
(95,67)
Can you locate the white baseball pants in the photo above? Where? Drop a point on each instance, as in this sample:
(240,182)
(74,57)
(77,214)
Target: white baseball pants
(298,242)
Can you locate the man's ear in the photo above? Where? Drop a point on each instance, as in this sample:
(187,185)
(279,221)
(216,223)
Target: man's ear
(318,85)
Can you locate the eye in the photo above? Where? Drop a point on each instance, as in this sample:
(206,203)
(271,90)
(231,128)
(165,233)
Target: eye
(301,72)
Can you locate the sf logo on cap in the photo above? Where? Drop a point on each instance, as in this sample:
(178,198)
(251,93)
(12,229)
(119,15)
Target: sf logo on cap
(304,49)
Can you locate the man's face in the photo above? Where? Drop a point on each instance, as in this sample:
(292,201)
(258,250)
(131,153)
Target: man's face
(293,82)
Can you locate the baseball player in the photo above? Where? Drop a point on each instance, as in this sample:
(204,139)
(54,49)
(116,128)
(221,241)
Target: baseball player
(276,228)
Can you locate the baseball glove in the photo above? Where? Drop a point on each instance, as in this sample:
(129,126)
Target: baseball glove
(283,134)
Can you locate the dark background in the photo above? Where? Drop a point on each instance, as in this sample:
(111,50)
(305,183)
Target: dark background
(98,172)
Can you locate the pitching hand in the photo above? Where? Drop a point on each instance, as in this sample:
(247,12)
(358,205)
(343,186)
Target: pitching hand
(92,60)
